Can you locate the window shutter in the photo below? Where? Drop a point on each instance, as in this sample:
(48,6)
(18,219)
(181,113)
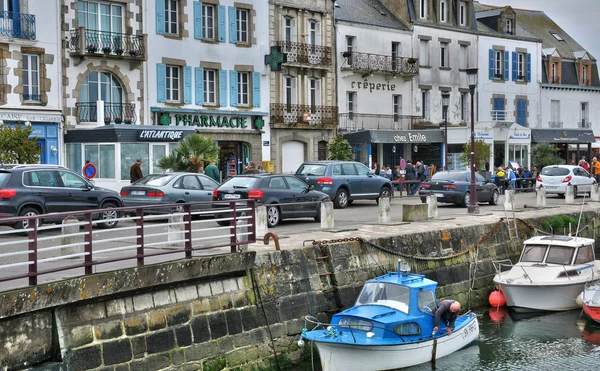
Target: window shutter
(514,66)
(161,83)
(293,23)
(318,32)
(160,17)
(223,88)
(232,25)
(233,82)
(199,72)
(187,85)
(256,89)
(491,64)
(528,67)
(197,20)
(506,66)
(222,23)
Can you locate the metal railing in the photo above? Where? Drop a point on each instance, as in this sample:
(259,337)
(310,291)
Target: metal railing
(356,61)
(17,25)
(318,55)
(94,42)
(368,121)
(300,113)
(117,113)
(501,115)
(555,124)
(585,124)
(141,238)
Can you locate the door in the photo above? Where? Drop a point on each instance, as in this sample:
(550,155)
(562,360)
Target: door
(158,152)
(208,185)
(292,156)
(191,191)
(278,192)
(582,180)
(369,183)
(301,195)
(78,194)
(46,189)
(353,180)
(483,189)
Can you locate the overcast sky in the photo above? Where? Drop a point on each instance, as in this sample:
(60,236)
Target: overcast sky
(579,18)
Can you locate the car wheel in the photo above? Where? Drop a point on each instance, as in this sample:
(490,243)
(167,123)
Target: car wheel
(341,199)
(575,191)
(223,223)
(110,216)
(466,199)
(318,216)
(385,192)
(273,216)
(494,199)
(27,211)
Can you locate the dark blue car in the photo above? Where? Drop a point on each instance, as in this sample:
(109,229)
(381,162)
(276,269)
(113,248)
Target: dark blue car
(453,187)
(344,181)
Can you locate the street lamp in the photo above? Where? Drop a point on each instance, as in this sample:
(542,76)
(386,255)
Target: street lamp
(445,103)
(473,207)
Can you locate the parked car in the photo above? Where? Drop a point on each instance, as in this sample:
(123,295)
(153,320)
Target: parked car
(28,190)
(169,188)
(555,179)
(453,187)
(344,181)
(271,190)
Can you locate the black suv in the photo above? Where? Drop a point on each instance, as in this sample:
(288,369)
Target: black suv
(28,190)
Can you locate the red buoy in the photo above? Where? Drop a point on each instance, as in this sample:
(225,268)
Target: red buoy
(496,299)
(497,314)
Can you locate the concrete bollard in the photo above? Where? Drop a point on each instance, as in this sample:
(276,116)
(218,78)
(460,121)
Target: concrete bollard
(509,200)
(176,232)
(432,206)
(595,193)
(327,219)
(385,215)
(262,227)
(570,195)
(242,229)
(541,196)
(68,228)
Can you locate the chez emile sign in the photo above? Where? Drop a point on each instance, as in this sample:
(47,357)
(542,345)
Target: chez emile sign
(405,136)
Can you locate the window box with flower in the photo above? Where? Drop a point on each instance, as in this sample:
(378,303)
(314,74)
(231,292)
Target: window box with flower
(133,53)
(107,120)
(106,50)
(118,120)
(92,48)
(128,122)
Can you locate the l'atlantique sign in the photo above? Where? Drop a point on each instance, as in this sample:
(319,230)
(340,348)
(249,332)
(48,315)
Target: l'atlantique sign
(211,121)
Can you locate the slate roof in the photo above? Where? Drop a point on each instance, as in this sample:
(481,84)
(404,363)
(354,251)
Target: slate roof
(370,12)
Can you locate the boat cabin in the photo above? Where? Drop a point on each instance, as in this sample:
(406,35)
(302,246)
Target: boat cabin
(558,250)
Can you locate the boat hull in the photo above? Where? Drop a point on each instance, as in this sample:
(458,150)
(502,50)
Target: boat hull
(343,356)
(592,311)
(541,297)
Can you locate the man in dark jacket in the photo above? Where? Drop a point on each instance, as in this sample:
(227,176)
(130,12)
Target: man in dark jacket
(447,312)
(250,169)
(411,174)
(212,171)
(135,172)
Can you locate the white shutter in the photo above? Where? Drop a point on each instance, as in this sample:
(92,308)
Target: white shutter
(317,92)
(294,91)
(294,31)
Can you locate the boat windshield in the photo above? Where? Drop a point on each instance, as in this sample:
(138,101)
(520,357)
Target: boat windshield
(388,294)
(560,255)
(534,253)
(585,254)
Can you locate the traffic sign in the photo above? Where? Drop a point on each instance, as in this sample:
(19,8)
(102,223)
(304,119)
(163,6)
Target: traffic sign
(403,164)
(89,170)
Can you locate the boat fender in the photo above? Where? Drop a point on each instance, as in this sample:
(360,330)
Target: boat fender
(579,301)
(497,299)
(301,343)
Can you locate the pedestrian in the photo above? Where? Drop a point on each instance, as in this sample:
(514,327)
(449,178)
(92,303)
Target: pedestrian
(447,312)
(135,172)
(250,169)
(212,171)
(512,177)
(421,177)
(593,167)
(411,175)
(597,170)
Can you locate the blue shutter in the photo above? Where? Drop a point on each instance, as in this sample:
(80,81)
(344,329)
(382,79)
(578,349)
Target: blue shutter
(514,66)
(16,21)
(233,82)
(199,72)
(160,17)
(506,65)
(256,89)
(491,64)
(222,23)
(223,88)
(232,25)
(197,20)
(161,83)
(528,67)
(187,85)
(498,109)
(522,112)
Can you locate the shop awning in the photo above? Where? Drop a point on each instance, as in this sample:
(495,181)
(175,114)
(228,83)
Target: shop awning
(563,136)
(396,136)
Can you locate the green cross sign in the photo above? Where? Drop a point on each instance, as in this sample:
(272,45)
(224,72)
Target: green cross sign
(259,123)
(275,59)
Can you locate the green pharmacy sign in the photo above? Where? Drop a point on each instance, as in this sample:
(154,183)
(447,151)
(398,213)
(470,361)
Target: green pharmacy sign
(211,121)
(275,59)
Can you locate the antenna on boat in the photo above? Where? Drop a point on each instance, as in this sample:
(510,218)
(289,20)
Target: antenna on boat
(403,268)
(580,214)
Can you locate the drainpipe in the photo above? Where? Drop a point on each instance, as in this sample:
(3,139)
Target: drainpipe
(335,63)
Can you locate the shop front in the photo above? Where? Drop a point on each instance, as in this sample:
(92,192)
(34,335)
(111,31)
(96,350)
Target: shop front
(572,144)
(388,147)
(45,128)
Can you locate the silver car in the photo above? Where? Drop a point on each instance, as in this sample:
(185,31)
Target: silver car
(555,179)
(169,188)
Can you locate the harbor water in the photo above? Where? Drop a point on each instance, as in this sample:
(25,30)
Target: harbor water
(534,341)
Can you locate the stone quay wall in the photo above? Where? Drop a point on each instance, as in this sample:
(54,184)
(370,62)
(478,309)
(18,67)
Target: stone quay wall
(240,311)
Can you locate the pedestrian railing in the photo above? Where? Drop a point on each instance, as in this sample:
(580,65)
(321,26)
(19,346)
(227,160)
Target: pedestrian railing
(143,235)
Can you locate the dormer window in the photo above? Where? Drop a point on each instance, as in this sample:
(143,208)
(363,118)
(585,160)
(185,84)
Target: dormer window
(553,73)
(509,26)
(423,9)
(443,11)
(584,75)
(462,14)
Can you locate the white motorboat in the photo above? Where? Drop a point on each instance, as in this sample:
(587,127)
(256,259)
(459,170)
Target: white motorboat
(551,272)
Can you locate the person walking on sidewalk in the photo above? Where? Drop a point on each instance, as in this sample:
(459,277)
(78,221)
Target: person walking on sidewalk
(135,172)
(212,171)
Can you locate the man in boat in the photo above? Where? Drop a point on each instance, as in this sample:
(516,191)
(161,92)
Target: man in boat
(448,312)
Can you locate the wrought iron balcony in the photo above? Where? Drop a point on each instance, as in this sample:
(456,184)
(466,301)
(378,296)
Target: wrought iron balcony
(370,121)
(114,113)
(585,124)
(17,25)
(367,62)
(84,42)
(555,124)
(314,55)
(282,113)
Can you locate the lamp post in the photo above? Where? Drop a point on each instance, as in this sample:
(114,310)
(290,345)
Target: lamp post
(473,207)
(445,103)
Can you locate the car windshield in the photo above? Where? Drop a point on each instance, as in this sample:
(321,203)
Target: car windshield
(449,175)
(555,171)
(311,169)
(156,180)
(240,182)
(4,176)
(388,294)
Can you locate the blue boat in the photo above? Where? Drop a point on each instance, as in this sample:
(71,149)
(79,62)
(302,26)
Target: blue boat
(389,327)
